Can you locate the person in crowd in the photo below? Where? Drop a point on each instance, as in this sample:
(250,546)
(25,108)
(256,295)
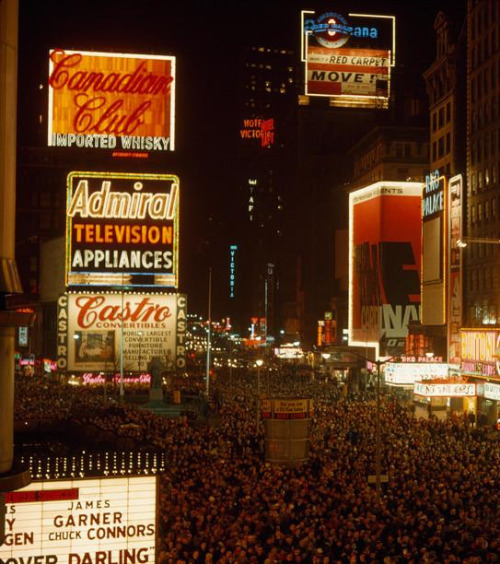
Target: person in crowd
(221,502)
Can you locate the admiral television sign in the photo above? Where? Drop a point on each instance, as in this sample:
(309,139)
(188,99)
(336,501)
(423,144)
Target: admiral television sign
(123,102)
(122,229)
(349,59)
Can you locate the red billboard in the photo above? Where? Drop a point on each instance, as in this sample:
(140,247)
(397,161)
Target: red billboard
(384,264)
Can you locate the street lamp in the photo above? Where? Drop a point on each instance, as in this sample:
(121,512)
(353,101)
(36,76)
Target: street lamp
(259,362)
(378,439)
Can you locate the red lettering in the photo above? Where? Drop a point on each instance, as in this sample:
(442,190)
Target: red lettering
(109,122)
(90,311)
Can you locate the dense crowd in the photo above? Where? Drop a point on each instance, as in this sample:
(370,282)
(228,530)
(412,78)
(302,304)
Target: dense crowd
(222,502)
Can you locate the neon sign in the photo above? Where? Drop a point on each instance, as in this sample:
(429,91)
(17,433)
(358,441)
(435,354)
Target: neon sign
(332,30)
(111,100)
(122,229)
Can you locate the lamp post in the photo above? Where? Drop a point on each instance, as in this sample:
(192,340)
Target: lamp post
(209,333)
(325,356)
(259,362)
(378,437)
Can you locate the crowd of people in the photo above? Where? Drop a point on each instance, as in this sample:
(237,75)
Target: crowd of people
(222,502)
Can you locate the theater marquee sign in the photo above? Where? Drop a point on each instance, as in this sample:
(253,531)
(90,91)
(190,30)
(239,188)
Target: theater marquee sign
(111,520)
(122,229)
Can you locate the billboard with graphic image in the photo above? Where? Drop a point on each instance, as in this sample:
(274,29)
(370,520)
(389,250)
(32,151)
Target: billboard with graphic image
(93,328)
(384,264)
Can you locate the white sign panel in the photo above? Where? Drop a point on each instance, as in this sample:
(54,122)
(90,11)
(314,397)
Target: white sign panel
(492,391)
(457,389)
(93,327)
(107,520)
(407,373)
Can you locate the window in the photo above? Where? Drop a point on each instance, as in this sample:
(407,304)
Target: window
(487,210)
(441,117)
(473,183)
(434,121)
(473,215)
(448,142)
(440,147)
(448,112)
(494,208)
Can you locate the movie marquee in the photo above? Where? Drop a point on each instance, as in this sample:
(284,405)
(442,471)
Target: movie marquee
(122,229)
(110,520)
(111,101)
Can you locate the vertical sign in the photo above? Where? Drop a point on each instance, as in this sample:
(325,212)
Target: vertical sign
(455,275)
(434,249)
(232,270)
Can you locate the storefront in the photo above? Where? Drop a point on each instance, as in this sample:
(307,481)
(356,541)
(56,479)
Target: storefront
(480,364)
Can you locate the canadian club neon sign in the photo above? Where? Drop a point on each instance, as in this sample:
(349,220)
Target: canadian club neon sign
(122,229)
(109,100)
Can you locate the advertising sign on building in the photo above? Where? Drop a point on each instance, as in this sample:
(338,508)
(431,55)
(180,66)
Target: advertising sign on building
(92,329)
(349,59)
(113,101)
(455,277)
(384,264)
(407,373)
(122,229)
(434,263)
(108,520)
(480,352)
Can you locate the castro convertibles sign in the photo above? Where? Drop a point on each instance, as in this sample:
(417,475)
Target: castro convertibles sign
(111,101)
(92,329)
(108,521)
(122,229)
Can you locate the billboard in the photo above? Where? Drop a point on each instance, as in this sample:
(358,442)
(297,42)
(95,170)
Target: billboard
(79,521)
(93,328)
(384,264)
(349,59)
(480,352)
(123,102)
(122,229)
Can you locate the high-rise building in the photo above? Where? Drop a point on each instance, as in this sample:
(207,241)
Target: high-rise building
(268,91)
(481,260)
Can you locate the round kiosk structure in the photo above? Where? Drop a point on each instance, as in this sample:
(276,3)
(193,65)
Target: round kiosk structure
(287,427)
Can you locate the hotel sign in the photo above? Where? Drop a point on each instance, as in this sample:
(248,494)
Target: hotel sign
(122,229)
(111,101)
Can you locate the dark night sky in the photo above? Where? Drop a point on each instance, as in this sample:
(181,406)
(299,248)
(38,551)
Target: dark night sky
(204,36)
